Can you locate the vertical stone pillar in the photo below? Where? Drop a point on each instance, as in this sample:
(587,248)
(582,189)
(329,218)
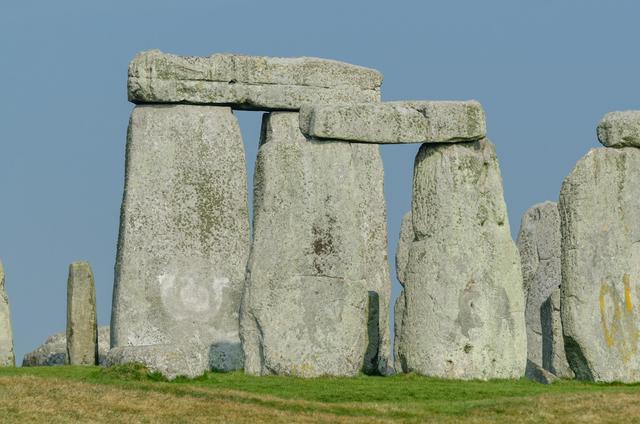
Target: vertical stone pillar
(318,285)
(184,239)
(539,246)
(464,304)
(402,257)
(7,355)
(82,321)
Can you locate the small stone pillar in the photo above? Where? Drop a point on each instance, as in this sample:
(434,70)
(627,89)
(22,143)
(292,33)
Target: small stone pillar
(82,323)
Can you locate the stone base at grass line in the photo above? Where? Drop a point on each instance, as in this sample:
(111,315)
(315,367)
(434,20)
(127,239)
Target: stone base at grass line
(54,350)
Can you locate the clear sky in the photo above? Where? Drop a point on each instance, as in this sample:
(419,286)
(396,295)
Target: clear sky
(545,71)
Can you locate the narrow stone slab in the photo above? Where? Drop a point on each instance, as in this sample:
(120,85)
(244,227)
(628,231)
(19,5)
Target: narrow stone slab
(82,320)
(7,355)
(600,300)
(402,258)
(318,283)
(464,304)
(53,351)
(248,82)
(395,122)
(620,129)
(184,231)
(539,246)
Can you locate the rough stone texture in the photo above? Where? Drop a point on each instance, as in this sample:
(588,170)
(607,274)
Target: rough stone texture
(248,82)
(54,350)
(539,245)
(538,374)
(318,283)
(600,221)
(402,257)
(395,122)
(184,232)
(464,312)
(620,129)
(82,320)
(7,355)
(169,360)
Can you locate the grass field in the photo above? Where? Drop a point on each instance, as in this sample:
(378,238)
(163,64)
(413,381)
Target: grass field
(130,395)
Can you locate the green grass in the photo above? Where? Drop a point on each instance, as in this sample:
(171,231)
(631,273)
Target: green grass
(396,398)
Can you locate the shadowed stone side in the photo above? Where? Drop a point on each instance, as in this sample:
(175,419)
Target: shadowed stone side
(464,311)
(184,233)
(539,246)
(82,321)
(402,257)
(7,355)
(54,350)
(600,299)
(248,82)
(318,283)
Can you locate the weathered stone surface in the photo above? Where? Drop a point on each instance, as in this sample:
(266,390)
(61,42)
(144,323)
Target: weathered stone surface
(318,283)
(464,311)
(169,360)
(539,246)
(402,257)
(82,320)
(7,355)
(600,221)
(538,374)
(620,129)
(248,82)
(54,350)
(184,231)
(395,122)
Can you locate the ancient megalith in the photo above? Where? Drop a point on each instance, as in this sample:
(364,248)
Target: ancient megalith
(539,246)
(600,299)
(184,236)
(248,82)
(318,283)
(7,355)
(402,257)
(54,350)
(82,320)
(464,304)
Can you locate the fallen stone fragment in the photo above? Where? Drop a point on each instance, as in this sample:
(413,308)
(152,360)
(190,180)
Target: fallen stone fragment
(248,82)
(539,246)
(169,360)
(184,232)
(464,310)
(54,350)
(395,122)
(82,320)
(600,300)
(402,257)
(7,355)
(620,129)
(538,374)
(318,283)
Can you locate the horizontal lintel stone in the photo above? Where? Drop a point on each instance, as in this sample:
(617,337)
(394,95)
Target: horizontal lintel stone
(620,129)
(395,122)
(248,82)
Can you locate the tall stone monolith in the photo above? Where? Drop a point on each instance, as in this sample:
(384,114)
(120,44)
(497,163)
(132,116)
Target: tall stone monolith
(7,355)
(184,238)
(402,257)
(318,284)
(464,311)
(600,300)
(82,320)
(539,246)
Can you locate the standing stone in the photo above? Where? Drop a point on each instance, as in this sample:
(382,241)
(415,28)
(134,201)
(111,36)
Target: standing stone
(184,236)
(82,320)
(539,245)
(464,311)
(248,82)
(600,222)
(318,285)
(7,356)
(402,257)
(53,351)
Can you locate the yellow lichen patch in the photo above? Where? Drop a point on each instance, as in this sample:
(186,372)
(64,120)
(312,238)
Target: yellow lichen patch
(627,294)
(620,330)
(608,333)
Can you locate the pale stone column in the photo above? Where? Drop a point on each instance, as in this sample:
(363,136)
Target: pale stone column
(82,321)
(7,355)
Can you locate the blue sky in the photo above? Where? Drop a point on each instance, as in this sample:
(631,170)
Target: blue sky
(545,72)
